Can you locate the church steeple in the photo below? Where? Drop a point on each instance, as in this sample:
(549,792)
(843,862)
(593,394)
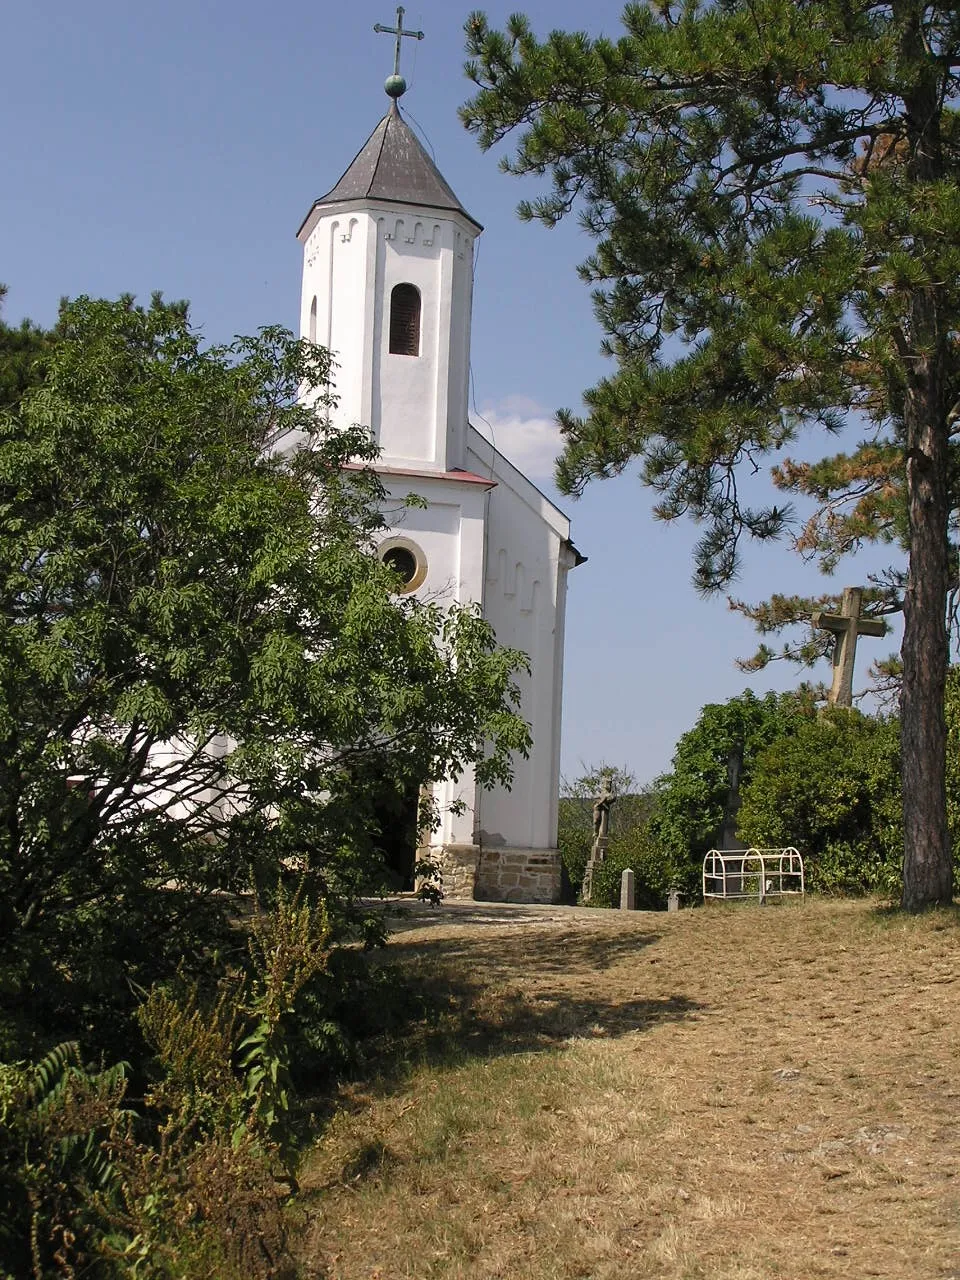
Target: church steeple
(393,166)
(388,287)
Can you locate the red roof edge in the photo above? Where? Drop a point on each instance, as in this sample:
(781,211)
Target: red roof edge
(457,476)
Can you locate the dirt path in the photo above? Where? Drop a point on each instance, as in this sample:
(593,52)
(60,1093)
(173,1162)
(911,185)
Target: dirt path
(726,1093)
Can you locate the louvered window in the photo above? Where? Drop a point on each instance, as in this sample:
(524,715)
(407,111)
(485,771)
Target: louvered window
(405,320)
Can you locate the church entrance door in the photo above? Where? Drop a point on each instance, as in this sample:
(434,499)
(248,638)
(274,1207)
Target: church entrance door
(396,817)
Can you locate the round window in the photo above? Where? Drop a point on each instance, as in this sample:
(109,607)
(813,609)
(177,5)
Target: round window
(402,561)
(406,560)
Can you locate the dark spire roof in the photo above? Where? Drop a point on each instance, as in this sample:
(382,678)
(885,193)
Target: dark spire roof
(392,165)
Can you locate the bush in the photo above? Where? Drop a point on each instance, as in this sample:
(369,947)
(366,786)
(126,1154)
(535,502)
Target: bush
(193,1184)
(574,839)
(653,870)
(832,789)
(694,799)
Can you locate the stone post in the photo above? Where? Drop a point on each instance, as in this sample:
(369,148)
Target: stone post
(628,891)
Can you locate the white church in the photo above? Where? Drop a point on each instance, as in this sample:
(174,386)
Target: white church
(387,287)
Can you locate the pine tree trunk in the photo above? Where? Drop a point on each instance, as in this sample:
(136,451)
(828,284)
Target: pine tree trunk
(927,860)
(927,857)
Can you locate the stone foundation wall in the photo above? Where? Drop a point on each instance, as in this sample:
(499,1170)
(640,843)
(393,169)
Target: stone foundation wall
(458,869)
(519,875)
(498,875)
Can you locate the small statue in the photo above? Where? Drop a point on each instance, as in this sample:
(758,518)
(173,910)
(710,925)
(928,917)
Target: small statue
(601,807)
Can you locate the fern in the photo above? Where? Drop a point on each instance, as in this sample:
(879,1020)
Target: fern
(55,1162)
(71,1107)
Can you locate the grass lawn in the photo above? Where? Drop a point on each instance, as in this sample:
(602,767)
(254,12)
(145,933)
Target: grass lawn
(731,1093)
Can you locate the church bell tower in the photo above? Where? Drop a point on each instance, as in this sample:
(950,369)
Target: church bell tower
(388,256)
(388,287)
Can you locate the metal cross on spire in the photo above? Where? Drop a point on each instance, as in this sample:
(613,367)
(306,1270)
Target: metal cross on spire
(395,85)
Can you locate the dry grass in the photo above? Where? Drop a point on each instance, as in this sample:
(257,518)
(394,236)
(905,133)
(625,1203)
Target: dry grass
(731,1094)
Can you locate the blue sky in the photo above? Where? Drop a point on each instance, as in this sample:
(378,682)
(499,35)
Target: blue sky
(178,147)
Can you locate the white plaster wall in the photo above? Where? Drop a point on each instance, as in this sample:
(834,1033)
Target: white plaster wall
(524,599)
(450,532)
(334,268)
(456,312)
(406,389)
(506,546)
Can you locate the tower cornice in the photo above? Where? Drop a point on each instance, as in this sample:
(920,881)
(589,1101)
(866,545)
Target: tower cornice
(321,210)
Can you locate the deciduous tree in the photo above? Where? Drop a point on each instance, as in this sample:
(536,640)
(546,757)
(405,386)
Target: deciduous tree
(832,790)
(201,656)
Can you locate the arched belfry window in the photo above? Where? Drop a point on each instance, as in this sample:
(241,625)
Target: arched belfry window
(313,320)
(405,320)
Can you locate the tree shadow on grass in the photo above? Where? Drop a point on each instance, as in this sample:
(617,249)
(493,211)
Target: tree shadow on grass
(466,1020)
(563,953)
(532,990)
(449,1001)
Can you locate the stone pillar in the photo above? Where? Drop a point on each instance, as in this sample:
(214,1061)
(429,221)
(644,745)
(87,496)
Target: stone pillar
(628,891)
(597,855)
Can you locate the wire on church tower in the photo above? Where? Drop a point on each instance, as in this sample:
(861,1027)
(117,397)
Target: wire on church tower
(422,132)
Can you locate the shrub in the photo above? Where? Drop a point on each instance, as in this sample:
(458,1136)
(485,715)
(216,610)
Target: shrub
(694,800)
(194,1184)
(575,835)
(832,789)
(653,869)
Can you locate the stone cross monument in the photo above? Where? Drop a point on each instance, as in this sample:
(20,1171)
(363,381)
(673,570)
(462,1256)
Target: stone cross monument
(601,830)
(846,626)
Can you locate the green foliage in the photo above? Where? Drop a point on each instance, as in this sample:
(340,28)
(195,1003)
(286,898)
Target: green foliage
(692,799)
(832,789)
(289,947)
(631,843)
(208,687)
(575,819)
(192,1183)
(56,1166)
(204,667)
(574,838)
(828,783)
(194,1041)
(575,833)
(755,181)
(636,848)
(21,357)
(772,189)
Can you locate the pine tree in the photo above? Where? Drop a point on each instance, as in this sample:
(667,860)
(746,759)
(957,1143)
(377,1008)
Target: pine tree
(21,351)
(772,187)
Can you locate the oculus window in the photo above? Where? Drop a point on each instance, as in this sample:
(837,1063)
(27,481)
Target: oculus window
(406,560)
